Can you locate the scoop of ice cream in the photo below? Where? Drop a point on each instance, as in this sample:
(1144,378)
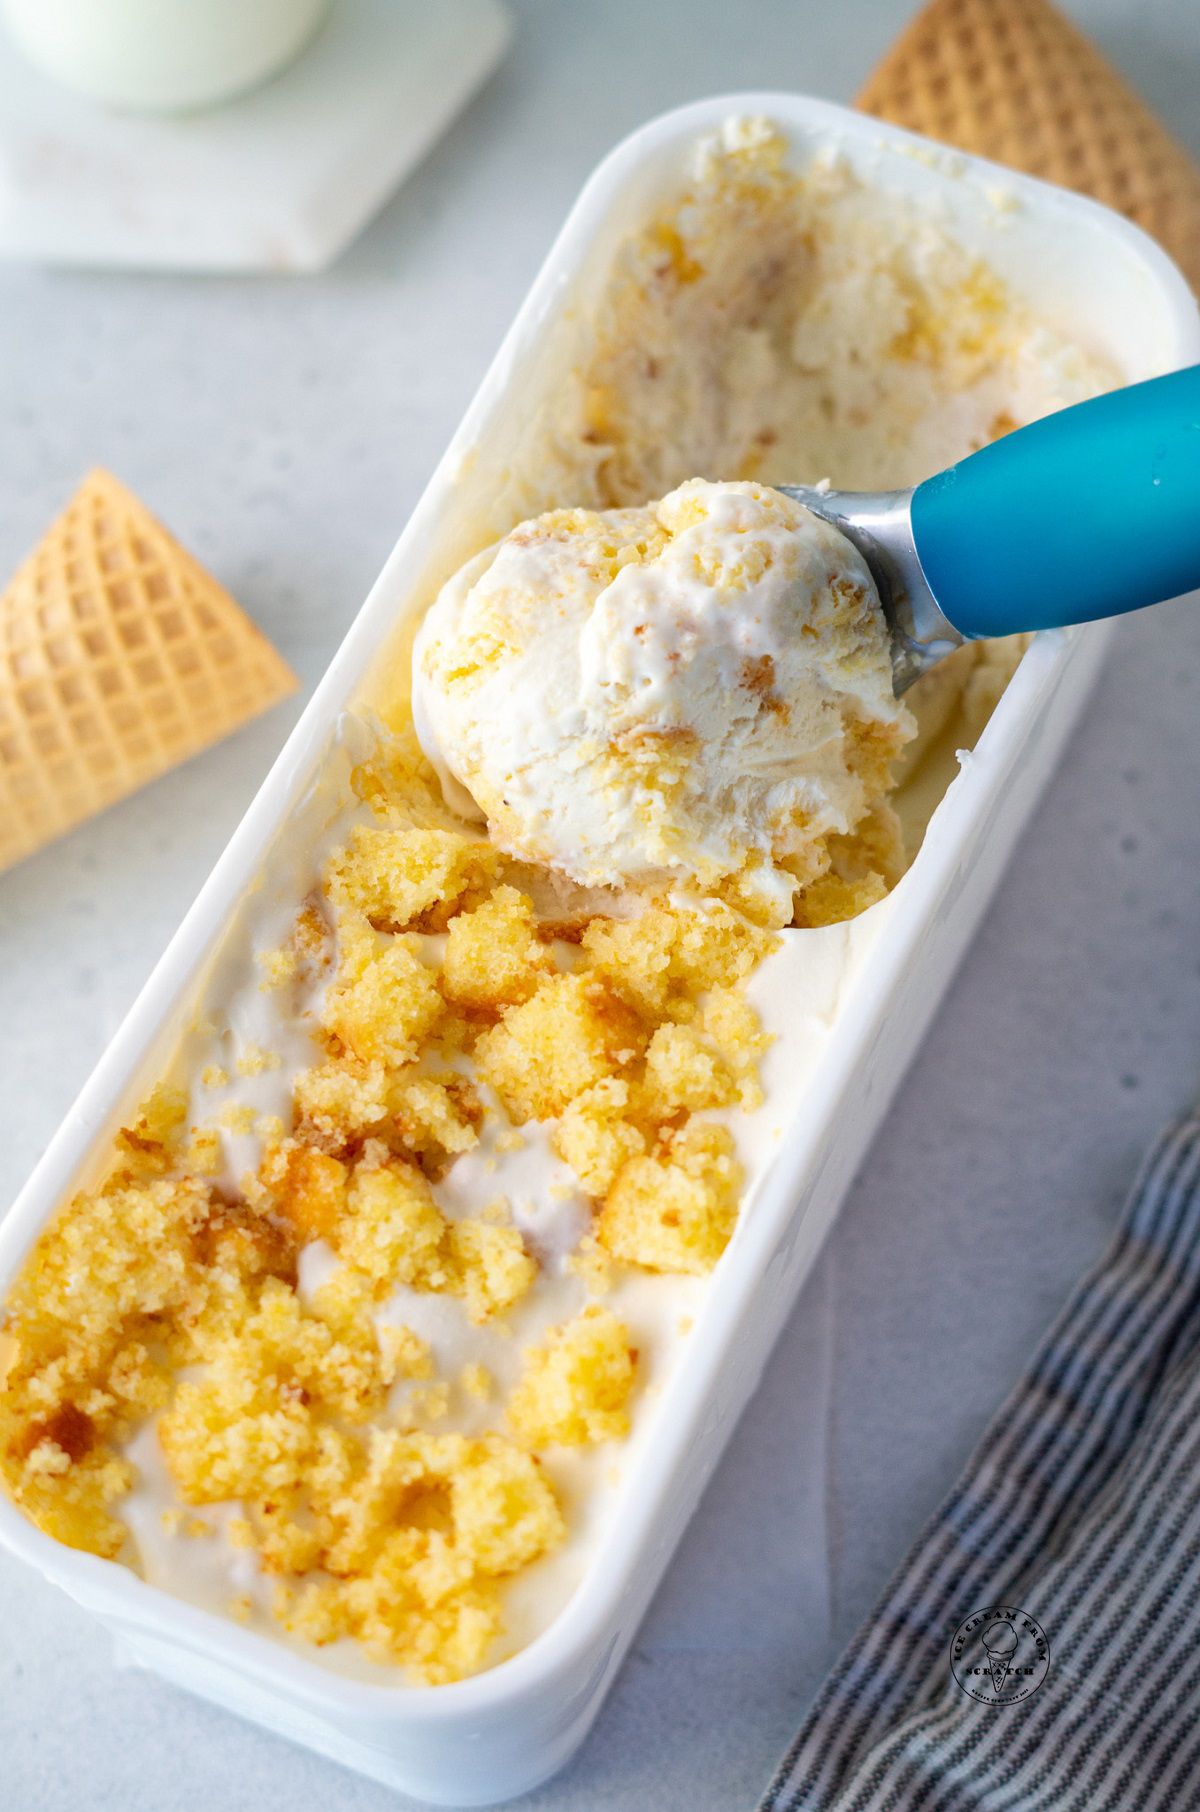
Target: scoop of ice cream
(680,694)
(1000,1640)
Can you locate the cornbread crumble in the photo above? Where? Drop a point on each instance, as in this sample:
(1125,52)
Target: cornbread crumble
(154,1295)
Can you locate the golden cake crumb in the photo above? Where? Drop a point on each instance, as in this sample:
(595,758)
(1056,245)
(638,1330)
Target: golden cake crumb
(205,1155)
(494,958)
(595,1137)
(237,1117)
(431,1401)
(342,1102)
(674,1210)
(477,1381)
(384,1002)
(424,1530)
(494,1268)
(576,1386)
(592,1265)
(682,1071)
(412,877)
(568,1035)
(662,960)
(277,967)
(403,1354)
(393,1230)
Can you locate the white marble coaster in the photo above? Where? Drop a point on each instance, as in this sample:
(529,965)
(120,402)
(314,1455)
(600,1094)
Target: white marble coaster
(280,179)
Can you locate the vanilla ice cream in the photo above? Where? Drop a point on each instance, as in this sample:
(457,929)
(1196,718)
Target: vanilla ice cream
(682,693)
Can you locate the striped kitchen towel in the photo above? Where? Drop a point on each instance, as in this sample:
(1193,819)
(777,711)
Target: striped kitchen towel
(1040,1645)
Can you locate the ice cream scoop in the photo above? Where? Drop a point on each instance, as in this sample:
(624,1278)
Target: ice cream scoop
(1089,513)
(703,691)
(696,692)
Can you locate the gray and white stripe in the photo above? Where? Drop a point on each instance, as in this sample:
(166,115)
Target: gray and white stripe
(1082,1506)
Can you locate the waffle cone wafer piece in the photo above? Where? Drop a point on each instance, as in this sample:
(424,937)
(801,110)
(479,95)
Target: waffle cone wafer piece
(119,657)
(1012,80)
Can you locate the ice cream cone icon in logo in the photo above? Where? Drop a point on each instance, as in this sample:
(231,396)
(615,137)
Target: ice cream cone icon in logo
(999,1655)
(1000,1640)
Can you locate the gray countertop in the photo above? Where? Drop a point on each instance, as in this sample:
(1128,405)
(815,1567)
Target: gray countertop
(284,428)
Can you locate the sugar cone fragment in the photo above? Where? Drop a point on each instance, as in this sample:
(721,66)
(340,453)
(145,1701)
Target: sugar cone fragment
(1012,80)
(119,657)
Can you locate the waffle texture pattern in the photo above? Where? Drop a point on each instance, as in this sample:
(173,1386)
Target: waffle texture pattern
(119,657)
(1014,81)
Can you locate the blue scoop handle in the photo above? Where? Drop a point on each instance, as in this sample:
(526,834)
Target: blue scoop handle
(1090,513)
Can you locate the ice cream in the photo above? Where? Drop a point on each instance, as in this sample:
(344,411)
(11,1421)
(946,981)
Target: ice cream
(1000,1641)
(697,692)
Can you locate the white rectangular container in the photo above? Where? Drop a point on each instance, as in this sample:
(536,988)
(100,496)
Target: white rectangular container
(1087,273)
